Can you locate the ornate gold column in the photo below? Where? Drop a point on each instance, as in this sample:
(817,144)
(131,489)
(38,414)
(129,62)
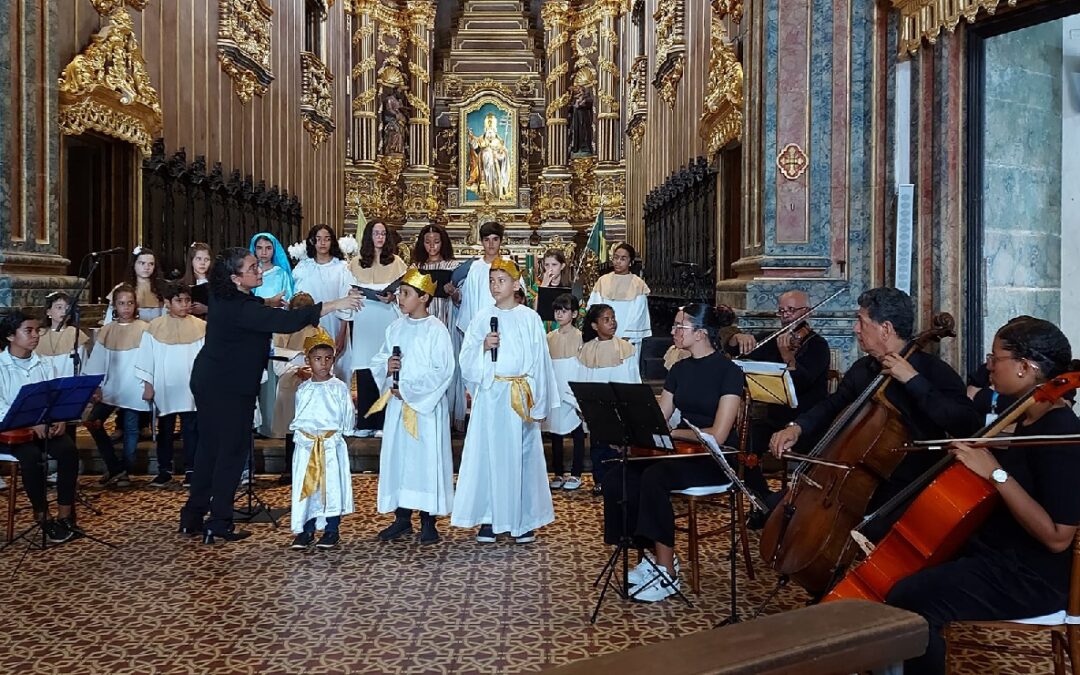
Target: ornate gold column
(420,202)
(554,199)
(608,84)
(362,146)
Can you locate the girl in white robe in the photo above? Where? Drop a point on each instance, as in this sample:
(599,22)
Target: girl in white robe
(416,467)
(605,358)
(145,277)
(166,357)
(322,480)
(564,343)
(502,485)
(627,294)
(58,340)
(114,355)
(325,275)
(374,269)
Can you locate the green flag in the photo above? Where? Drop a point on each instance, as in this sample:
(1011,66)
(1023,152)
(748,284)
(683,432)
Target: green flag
(598,240)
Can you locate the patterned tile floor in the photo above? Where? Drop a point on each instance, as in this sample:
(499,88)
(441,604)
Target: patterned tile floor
(160,603)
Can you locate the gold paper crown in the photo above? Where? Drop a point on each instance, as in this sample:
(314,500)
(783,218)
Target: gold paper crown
(507,266)
(420,281)
(320,338)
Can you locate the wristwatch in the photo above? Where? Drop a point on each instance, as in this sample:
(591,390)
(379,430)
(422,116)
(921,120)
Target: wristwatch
(999,476)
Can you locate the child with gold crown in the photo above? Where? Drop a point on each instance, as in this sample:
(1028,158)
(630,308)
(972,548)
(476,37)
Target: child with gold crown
(414,368)
(321,480)
(502,485)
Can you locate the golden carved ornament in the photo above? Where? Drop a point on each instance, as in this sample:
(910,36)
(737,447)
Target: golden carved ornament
(667,80)
(107,7)
(556,42)
(925,19)
(391,31)
(728,8)
(584,73)
(585,41)
(107,87)
(363,67)
(792,161)
(722,120)
(598,11)
(485,85)
(555,200)
(557,72)
(418,72)
(525,87)
(554,109)
(554,13)
(421,12)
(611,195)
(421,110)
(670,48)
(244,45)
(316,98)
(364,31)
(386,16)
(363,100)
(390,74)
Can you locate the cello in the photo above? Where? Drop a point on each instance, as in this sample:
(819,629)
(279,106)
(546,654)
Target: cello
(944,515)
(807,537)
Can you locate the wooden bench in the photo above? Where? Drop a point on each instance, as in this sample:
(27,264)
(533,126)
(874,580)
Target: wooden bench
(848,636)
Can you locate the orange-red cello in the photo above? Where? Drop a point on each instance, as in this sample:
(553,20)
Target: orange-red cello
(944,515)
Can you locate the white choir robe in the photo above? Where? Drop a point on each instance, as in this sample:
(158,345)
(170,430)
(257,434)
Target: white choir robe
(417,473)
(166,357)
(628,296)
(324,282)
(503,477)
(563,346)
(321,407)
(475,293)
(55,347)
(369,324)
(114,354)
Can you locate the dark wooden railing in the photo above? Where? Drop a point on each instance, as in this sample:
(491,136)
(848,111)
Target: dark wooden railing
(183,202)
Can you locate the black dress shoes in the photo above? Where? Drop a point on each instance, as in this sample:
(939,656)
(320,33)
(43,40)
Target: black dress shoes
(211,537)
(190,529)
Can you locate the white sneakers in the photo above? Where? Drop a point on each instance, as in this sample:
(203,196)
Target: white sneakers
(650,582)
(565,482)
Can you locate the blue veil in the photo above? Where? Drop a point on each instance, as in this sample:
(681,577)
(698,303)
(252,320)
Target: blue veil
(281,259)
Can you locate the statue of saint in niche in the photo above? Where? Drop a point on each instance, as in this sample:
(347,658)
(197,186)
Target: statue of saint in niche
(489,162)
(581,121)
(394,124)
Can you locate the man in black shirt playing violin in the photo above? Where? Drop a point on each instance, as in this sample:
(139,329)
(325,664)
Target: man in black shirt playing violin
(807,357)
(928,394)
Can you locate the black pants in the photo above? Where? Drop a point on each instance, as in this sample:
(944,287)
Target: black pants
(558,462)
(189,431)
(650,516)
(33,470)
(225,439)
(367,392)
(984,586)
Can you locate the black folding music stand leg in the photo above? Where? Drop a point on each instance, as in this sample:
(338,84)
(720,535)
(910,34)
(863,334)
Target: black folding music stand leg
(255,503)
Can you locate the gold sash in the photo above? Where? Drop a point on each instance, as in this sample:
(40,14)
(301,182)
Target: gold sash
(521,396)
(315,473)
(408,415)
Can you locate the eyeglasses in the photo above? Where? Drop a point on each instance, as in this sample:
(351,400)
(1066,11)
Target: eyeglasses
(992,359)
(683,326)
(782,311)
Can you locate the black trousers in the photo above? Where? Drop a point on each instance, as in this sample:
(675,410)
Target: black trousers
(558,461)
(225,439)
(367,392)
(63,451)
(650,516)
(985,585)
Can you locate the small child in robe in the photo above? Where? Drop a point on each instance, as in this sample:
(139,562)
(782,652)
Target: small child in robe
(564,343)
(416,468)
(321,479)
(605,358)
(503,485)
(166,357)
(57,340)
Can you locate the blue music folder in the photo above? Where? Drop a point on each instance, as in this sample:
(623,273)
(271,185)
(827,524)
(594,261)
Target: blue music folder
(59,400)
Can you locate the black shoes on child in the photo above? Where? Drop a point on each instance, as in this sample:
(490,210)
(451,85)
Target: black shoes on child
(401,526)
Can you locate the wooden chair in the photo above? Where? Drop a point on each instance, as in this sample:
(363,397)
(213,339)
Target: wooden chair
(1063,628)
(8,439)
(714,495)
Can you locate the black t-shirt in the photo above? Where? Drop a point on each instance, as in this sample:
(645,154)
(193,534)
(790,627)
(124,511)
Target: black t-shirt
(1049,474)
(697,385)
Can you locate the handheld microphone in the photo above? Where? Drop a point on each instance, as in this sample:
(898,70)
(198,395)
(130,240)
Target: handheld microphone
(397,373)
(110,251)
(494,329)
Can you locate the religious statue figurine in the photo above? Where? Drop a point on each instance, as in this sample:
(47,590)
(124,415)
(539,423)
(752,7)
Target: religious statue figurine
(581,121)
(394,124)
(489,162)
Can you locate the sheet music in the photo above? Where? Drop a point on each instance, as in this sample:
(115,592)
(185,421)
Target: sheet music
(768,373)
(718,455)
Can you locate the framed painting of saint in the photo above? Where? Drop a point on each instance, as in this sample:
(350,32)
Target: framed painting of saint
(489,149)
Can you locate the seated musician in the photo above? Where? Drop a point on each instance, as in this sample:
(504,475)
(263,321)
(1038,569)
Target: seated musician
(1017,564)
(807,357)
(707,389)
(928,394)
(19,365)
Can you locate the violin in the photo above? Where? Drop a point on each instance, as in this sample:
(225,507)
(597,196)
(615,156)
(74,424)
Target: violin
(807,537)
(682,448)
(944,515)
(16,437)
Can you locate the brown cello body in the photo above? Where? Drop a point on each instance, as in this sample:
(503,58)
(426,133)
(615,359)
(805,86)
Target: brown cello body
(807,537)
(942,518)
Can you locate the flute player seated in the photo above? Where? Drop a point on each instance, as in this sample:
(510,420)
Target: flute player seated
(926,392)
(707,388)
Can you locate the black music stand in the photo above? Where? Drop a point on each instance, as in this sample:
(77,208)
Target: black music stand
(59,400)
(623,415)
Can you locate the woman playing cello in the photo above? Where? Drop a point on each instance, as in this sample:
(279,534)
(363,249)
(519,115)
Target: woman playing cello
(1017,564)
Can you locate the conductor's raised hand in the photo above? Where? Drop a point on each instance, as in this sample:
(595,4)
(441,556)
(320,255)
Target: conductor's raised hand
(782,440)
(276,301)
(898,367)
(491,341)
